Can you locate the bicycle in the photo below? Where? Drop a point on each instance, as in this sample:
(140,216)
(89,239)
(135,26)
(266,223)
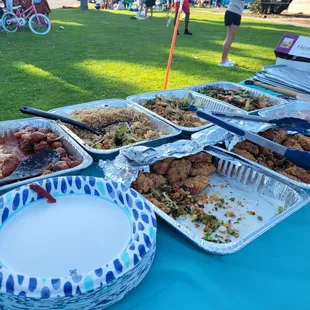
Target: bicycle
(37,22)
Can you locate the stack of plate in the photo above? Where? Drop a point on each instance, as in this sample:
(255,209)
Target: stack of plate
(86,251)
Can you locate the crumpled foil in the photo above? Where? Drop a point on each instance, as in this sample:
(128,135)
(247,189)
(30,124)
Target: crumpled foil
(129,162)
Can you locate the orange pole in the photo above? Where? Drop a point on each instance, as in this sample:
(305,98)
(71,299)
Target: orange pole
(174,37)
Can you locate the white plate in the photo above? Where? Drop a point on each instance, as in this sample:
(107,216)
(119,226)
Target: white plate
(98,234)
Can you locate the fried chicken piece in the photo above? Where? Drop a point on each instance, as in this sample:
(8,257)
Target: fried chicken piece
(143,184)
(248,146)
(275,135)
(304,141)
(243,153)
(179,170)
(195,184)
(292,143)
(201,157)
(158,179)
(162,166)
(300,173)
(289,176)
(202,169)
(8,163)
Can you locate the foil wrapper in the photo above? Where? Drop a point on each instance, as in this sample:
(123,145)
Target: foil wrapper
(129,162)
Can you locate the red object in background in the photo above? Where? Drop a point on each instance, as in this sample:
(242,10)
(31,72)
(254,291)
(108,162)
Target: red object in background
(43,192)
(42,7)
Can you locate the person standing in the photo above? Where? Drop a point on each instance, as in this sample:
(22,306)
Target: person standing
(232,22)
(186,10)
(149,5)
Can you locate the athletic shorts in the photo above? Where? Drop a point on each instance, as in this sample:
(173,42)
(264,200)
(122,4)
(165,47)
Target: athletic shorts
(185,7)
(232,18)
(149,3)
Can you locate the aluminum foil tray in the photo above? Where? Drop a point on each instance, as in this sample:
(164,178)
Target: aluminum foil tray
(277,112)
(116,103)
(251,188)
(206,102)
(9,127)
(229,85)
(216,136)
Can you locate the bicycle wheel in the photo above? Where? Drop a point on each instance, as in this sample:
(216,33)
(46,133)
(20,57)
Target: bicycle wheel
(39,24)
(9,22)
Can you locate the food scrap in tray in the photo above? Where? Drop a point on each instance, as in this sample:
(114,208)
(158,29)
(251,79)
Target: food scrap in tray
(273,160)
(130,127)
(27,141)
(181,188)
(240,97)
(174,110)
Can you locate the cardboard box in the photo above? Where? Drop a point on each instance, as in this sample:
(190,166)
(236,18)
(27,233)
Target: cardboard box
(294,51)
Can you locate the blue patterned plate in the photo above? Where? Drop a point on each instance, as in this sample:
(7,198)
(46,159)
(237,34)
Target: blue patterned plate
(99,233)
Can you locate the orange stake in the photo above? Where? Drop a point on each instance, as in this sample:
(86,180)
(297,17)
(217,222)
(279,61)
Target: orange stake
(176,27)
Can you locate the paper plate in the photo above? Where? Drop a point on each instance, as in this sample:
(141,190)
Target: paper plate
(64,255)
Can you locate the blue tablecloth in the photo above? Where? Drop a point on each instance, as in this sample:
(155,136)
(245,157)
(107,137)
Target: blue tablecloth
(272,272)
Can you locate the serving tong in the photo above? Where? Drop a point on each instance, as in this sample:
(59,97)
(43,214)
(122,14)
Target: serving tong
(297,157)
(288,123)
(64,119)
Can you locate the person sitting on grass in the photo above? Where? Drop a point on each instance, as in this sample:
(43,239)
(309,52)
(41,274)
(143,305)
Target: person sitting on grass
(186,11)
(232,22)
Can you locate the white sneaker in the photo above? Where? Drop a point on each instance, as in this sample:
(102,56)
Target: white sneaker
(227,64)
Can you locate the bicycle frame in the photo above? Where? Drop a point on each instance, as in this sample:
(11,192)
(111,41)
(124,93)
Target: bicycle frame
(28,12)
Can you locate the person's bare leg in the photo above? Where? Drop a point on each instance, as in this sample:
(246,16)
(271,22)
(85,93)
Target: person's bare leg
(230,37)
(151,11)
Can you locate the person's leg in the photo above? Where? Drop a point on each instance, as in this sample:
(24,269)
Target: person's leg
(145,11)
(230,37)
(186,21)
(151,11)
(176,13)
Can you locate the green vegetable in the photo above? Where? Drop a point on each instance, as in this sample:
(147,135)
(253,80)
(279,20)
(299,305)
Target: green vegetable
(222,200)
(280,209)
(259,218)
(157,194)
(231,231)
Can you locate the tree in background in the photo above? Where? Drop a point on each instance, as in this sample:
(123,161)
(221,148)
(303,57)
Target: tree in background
(270,6)
(84,4)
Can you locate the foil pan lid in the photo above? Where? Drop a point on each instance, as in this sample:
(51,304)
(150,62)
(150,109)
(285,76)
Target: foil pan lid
(126,166)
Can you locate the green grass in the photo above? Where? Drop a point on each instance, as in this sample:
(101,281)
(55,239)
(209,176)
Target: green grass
(102,55)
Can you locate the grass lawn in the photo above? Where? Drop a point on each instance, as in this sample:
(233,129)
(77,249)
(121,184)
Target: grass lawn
(102,55)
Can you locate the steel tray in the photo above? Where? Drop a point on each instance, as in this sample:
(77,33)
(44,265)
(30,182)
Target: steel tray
(229,85)
(116,103)
(9,127)
(207,102)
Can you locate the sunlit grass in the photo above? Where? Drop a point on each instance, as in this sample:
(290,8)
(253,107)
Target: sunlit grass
(100,55)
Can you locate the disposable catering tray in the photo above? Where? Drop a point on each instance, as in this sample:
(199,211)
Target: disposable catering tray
(254,195)
(225,141)
(9,127)
(206,102)
(229,85)
(286,111)
(116,103)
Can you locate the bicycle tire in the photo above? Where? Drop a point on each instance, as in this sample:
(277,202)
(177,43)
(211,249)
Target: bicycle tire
(5,16)
(34,20)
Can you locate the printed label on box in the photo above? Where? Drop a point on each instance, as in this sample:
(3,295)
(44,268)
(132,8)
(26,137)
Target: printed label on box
(295,45)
